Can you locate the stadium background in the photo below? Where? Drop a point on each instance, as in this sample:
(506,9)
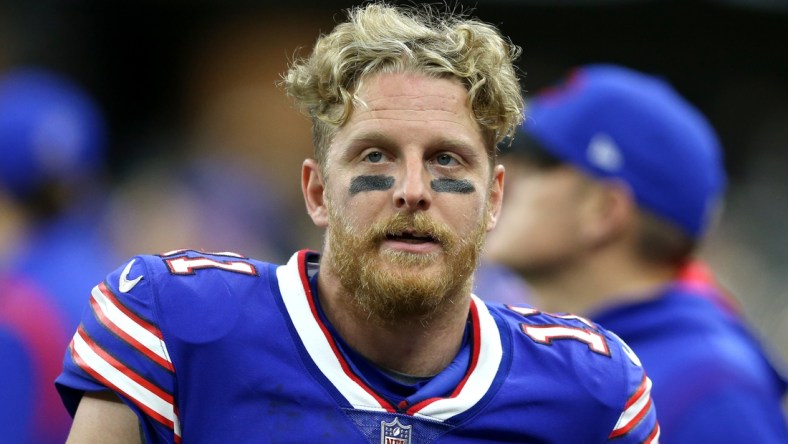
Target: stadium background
(182,81)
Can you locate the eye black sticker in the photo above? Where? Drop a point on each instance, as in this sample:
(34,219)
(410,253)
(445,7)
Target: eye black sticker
(461,186)
(370,183)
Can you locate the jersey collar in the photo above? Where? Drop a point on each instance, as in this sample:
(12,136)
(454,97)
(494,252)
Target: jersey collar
(486,355)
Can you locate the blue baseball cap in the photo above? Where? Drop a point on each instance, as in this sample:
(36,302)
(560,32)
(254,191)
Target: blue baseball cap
(50,131)
(614,122)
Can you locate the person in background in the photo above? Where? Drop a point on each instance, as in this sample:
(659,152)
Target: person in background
(52,142)
(612,182)
(377,339)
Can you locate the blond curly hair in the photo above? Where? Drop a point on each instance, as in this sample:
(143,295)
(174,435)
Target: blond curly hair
(383,38)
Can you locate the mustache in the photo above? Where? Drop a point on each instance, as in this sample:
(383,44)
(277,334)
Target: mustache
(415,224)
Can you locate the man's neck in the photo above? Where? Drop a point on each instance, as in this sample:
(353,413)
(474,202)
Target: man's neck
(417,347)
(588,287)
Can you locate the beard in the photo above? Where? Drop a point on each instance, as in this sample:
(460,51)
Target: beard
(392,286)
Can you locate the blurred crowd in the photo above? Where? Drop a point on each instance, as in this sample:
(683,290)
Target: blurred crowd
(85,182)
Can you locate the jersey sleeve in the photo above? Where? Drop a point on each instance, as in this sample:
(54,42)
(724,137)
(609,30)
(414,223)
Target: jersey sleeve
(119,346)
(637,422)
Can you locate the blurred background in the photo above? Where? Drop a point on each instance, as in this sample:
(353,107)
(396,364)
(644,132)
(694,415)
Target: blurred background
(195,145)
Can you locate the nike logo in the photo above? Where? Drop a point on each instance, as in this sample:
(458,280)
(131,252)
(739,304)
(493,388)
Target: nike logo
(125,285)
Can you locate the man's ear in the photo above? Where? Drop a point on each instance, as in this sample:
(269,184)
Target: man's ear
(313,186)
(611,212)
(496,197)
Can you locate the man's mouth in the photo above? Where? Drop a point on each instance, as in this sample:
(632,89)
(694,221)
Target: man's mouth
(411,237)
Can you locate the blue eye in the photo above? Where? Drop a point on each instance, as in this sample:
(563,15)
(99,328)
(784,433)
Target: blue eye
(374,157)
(444,159)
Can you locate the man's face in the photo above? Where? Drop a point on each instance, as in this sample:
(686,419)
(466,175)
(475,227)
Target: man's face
(539,231)
(409,195)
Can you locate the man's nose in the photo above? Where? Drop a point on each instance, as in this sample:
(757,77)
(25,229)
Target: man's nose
(412,191)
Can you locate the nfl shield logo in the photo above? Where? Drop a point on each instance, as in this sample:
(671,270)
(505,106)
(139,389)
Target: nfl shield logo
(394,433)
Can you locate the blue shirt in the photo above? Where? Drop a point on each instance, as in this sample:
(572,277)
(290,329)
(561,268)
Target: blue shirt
(712,379)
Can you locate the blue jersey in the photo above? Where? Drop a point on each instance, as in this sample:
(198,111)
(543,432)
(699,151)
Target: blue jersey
(219,348)
(712,380)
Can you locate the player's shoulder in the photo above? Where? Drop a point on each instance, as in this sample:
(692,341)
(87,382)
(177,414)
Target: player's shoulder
(189,293)
(524,316)
(564,339)
(182,278)
(582,364)
(184,267)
